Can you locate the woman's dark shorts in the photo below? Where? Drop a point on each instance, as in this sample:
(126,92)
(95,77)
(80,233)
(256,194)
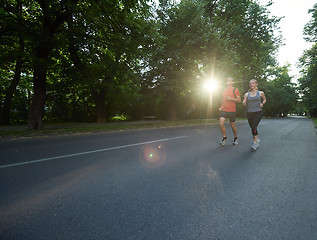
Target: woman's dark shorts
(230,115)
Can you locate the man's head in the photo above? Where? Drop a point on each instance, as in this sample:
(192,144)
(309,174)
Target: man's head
(229,81)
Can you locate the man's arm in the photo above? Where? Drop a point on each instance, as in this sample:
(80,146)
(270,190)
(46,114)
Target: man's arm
(237,99)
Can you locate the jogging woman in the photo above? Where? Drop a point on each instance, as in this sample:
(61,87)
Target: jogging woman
(254,100)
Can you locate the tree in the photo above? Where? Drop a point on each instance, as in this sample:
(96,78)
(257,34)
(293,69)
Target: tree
(38,24)
(12,52)
(308,80)
(308,61)
(82,47)
(107,46)
(203,39)
(52,16)
(280,92)
(90,60)
(175,67)
(310,28)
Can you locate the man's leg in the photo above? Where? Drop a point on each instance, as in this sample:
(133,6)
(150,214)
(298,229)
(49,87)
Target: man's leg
(223,130)
(234,129)
(222,126)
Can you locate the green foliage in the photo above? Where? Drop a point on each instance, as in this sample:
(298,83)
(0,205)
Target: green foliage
(308,81)
(175,67)
(101,59)
(280,92)
(308,62)
(108,48)
(203,39)
(310,29)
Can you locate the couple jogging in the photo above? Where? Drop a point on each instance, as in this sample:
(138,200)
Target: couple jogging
(253,100)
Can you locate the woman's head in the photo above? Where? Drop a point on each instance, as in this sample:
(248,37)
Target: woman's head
(253,84)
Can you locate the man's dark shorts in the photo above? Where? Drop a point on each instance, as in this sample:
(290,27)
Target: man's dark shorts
(230,115)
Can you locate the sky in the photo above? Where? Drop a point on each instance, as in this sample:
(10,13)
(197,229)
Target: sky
(295,13)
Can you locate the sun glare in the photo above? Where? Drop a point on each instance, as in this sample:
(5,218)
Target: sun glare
(211,85)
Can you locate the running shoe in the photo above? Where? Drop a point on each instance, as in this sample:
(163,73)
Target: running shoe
(235,141)
(254,146)
(223,141)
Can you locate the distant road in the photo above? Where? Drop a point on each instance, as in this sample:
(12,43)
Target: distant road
(167,183)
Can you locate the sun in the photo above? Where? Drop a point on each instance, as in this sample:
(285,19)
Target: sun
(211,85)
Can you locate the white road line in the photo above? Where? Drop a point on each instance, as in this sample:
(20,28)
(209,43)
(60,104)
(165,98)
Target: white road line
(89,152)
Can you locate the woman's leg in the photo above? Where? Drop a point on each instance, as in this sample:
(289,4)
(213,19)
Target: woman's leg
(254,120)
(250,116)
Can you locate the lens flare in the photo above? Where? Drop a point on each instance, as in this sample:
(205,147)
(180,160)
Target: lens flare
(152,156)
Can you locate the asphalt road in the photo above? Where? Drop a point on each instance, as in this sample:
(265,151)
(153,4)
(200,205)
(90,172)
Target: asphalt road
(168,183)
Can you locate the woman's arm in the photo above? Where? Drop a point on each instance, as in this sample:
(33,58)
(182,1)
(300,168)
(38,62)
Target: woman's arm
(244,102)
(263,99)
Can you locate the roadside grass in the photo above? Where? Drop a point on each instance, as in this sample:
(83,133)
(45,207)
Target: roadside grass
(85,128)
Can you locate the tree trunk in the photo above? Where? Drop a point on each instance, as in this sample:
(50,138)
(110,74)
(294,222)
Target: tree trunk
(39,99)
(39,86)
(101,107)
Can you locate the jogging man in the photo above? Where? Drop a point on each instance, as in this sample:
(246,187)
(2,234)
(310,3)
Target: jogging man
(230,97)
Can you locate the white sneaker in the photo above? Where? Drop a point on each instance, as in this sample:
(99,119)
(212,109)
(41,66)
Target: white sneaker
(223,141)
(254,146)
